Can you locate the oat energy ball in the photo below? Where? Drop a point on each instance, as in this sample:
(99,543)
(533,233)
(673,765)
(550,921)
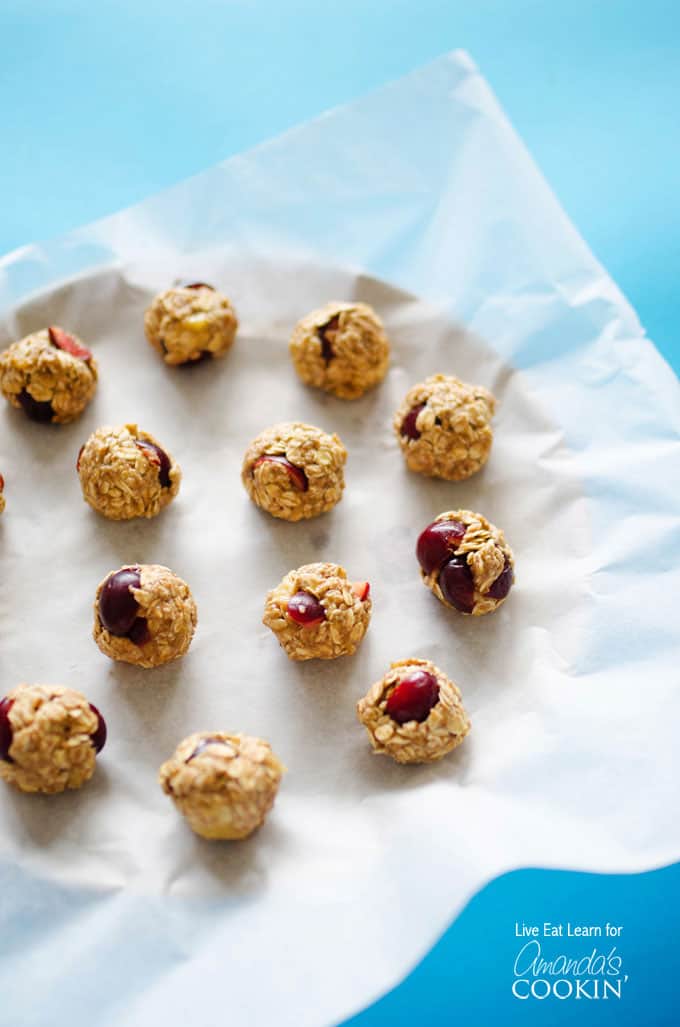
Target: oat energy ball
(341,348)
(444,429)
(466,562)
(294,471)
(124,472)
(144,614)
(49,737)
(190,323)
(223,784)
(51,375)
(316,613)
(414,713)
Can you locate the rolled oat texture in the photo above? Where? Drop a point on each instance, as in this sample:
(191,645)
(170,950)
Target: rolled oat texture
(316,613)
(476,571)
(125,472)
(223,784)
(50,375)
(144,614)
(294,471)
(341,348)
(444,427)
(190,323)
(49,738)
(414,741)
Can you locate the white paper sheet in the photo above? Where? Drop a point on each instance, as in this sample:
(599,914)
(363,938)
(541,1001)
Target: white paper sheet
(572,686)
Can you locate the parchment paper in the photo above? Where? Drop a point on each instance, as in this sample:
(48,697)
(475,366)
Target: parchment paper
(109,904)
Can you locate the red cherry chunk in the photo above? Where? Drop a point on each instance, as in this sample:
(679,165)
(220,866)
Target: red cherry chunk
(5,729)
(457,584)
(62,340)
(296,474)
(36,409)
(159,457)
(98,736)
(326,335)
(361,589)
(413,698)
(2,483)
(118,607)
(503,582)
(437,542)
(408,425)
(305,609)
(197,285)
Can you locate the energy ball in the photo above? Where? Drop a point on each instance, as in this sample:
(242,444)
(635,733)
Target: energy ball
(316,613)
(190,323)
(144,614)
(49,738)
(223,784)
(444,429)
(414,713)
(50,375)
(341,348)
(294,471)
(125,473)
(466,562)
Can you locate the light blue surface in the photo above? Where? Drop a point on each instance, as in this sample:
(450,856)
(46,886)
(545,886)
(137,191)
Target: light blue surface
(102,104)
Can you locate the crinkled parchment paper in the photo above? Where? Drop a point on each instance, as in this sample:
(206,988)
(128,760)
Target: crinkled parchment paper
(109,907)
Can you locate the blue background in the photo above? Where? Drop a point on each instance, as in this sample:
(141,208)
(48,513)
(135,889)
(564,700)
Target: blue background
(103,103)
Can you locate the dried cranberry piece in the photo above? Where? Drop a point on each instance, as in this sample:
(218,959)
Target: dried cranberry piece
(296,474)
(37,410)
(80,453)
(196,285)
(118,607)
(437,542)
(305,609)
(157,456)
(98,736)
(413,698)
(408,425)
(457,584)
(5,729)
(326,334)
(2,483)
(503,582)
(62,340)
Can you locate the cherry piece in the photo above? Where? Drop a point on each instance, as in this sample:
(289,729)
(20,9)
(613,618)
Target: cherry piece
(5,729)
(326,334)
(139,633)
(361,589)
(408,425)
(2,483)
(457,584)
(80,453)
(98,736)
(37,410)
(296,474)
(202,745)
(305,609)
(197,285)
(413,698)
(503,582)
(62,340)
(437,542)
(118,607)
(159,457)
